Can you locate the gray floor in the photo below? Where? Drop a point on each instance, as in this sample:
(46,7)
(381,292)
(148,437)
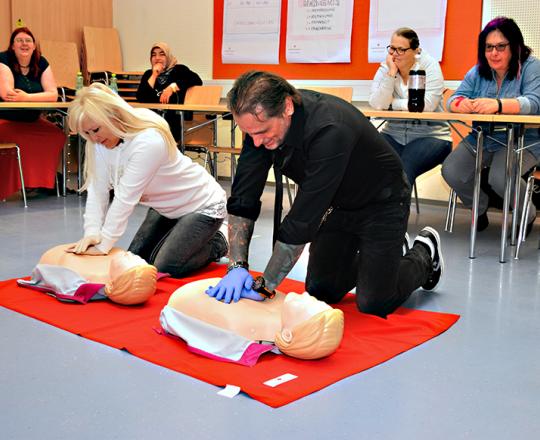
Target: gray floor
(479,380)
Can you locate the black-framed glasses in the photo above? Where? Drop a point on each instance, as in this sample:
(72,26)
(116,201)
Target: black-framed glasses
(498,47)
(399,50)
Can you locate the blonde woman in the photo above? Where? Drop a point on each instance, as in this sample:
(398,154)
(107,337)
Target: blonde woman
(132,152)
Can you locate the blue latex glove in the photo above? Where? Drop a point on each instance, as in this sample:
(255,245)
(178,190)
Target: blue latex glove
(233,286)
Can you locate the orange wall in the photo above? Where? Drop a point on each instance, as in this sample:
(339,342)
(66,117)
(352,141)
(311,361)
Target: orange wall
(463,21)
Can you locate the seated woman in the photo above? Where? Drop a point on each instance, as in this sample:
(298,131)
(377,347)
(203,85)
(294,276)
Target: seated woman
(166,82)
(422,145)
(25,76)
(131,150)
(506,79)
(122,277)
(299,325)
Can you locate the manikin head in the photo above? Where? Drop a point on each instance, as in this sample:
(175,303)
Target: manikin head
(300,325)
(127,277)
(310,329)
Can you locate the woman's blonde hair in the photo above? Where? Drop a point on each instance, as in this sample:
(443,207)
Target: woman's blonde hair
(315,338)
(102,106)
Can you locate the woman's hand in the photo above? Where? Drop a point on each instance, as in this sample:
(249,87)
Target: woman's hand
(157,69)
(166,95)
(85,246)
(17,95)
(486,106)
(392,68)
(462,105)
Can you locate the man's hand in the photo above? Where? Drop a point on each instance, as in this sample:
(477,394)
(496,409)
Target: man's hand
(233,286)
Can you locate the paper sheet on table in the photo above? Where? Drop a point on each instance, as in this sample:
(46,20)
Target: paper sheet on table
(251,31)
(426,17)
(319,31)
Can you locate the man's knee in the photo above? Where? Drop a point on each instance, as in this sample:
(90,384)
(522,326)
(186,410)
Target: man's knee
(324,291)
(370,305)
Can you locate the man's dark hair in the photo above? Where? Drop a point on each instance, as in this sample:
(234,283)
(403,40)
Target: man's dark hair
(257,92)
(512,33)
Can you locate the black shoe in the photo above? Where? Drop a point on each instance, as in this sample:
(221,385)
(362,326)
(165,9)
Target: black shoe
(430,238)
(482,222)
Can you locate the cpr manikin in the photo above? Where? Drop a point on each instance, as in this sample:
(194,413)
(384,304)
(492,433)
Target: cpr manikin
(121,276)
(299,325)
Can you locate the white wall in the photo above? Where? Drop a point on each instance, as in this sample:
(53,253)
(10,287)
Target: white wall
(185,25)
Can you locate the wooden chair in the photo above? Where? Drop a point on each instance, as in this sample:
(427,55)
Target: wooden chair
(63,57)
(102,56)
(13,146)
(200,134)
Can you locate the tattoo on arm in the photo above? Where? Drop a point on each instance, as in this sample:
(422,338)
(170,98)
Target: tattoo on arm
(240,232)
(281,263)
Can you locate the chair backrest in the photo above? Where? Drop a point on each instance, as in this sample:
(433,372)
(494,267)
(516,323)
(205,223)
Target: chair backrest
(345,93)
(206,95)
(101,50)
(63,58)
(462,129)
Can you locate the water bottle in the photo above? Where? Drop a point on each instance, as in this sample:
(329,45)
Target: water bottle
(79,82)
(417,87)
(113,83)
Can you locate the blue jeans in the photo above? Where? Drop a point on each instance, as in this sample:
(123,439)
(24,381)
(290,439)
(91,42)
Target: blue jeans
(420,155)
(179,246)
(363,249)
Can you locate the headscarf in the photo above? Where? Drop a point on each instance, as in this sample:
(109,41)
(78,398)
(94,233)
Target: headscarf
(171,60)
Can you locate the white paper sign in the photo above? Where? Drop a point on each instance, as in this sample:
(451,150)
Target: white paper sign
(426,17)
(251,31)
(319,31)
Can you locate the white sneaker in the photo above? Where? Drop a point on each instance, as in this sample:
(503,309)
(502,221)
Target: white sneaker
(430,237)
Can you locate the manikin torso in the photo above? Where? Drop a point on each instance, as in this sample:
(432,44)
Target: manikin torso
(254,320)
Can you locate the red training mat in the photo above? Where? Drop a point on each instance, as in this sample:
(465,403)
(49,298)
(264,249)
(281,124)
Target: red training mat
(368,340)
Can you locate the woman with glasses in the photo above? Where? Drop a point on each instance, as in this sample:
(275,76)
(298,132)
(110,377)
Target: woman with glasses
(506,79)
(422,145)
(25,76)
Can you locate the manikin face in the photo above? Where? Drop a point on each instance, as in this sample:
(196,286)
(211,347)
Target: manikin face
(157,56)
(99,134)
(498,61)
(405,61)
(23,45)
(267,132)
(122,262)
(298,308)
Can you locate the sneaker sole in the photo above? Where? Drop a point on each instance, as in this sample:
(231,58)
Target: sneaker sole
(441,259)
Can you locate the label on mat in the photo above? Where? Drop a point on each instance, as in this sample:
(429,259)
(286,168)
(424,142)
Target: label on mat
(280,379)
(229,391)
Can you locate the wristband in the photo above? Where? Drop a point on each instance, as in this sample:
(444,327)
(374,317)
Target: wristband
(237,264)
(174,87)
(259,286)
(458,100)
(499,103)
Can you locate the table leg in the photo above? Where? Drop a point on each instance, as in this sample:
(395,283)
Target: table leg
(476,192)
(518,172)
(64,154)
(507,188)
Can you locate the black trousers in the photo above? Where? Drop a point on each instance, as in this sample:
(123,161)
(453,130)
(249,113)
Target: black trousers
(363,249)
